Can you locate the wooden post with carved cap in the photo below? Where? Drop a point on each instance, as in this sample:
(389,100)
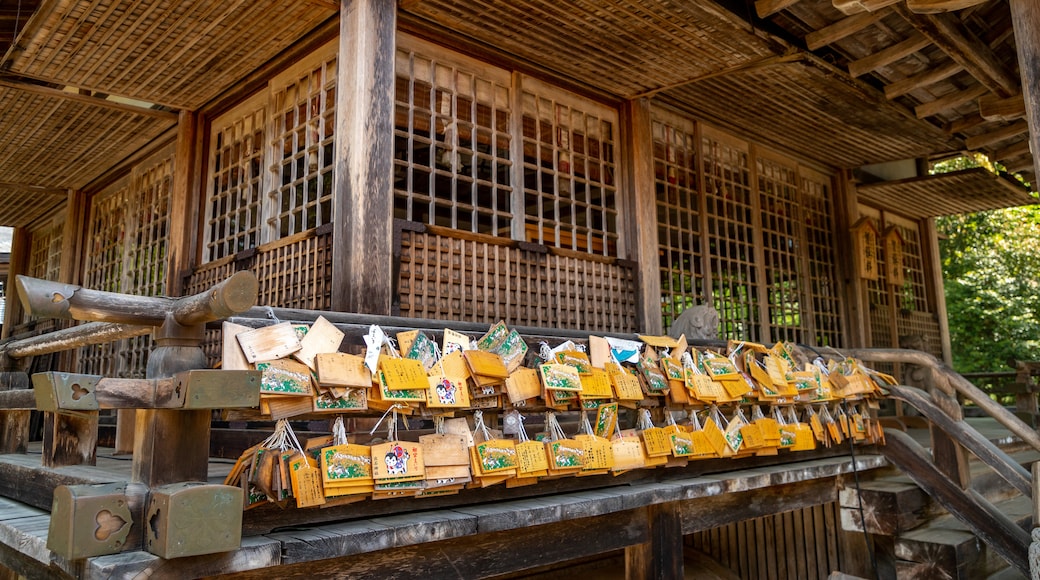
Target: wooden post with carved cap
(170,446)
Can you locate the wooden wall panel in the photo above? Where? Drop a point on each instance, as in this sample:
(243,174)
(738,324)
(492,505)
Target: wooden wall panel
(485,279)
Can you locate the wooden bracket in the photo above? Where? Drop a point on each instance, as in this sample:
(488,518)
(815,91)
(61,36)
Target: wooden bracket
(218,389)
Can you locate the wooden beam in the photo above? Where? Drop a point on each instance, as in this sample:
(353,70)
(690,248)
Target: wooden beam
(887,56)
(643,226)
(928,77)
(996,136)
(70,439)
(843,28)
(17,85)
(937,6)
(951,101)
(1025,164)
(1013,150)
(766,8)
(1025,15)
(963,124)
(994,108)
(948,33)
(33,188)
(362,272)
(850,7)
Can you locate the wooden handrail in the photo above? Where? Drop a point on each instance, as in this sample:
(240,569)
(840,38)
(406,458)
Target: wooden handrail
(945,376)
(972,440)
(56,300)
(986,521)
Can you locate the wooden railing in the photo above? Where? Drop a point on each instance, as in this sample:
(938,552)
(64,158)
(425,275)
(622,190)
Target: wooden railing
(943,473)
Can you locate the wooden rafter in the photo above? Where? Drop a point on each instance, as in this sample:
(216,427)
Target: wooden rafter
(996,136)
(964,124)
(18,85)
(33,188)
(888,55)
(994,108)
(843,28)
(928,77)
(937,6)
(950,101)
(1012,151)
(948,33)
(850,7)
(766,8)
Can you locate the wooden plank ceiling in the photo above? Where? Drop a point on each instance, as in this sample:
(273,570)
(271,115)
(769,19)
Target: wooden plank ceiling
(60,126)
(965,191)
(867,81)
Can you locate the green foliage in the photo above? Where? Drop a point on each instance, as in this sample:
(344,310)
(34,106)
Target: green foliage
(991,273)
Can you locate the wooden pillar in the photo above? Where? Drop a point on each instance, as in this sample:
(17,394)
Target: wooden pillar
(72,232)
(70,438)
(19,260)
(362,252)
(642,229)
(183,205)
(661,558)
(951,459)
(846,212)
(933,268)
(1025,15)
(171,445)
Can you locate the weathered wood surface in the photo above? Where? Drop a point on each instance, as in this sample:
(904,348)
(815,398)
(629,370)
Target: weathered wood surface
(889,506)
(952,380)
(14,431)
(1001,534)
(363,186)
(70,438)
(641,179)
(55,300)
(661,556)
(69,338)
(23,399)
(1025,15)
(971,439)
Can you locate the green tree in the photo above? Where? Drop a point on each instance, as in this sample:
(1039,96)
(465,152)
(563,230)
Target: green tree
(991,274)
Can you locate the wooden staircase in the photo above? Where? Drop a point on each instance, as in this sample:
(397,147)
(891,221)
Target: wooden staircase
(945,513)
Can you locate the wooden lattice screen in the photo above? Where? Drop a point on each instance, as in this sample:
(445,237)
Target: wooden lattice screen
(679,214)
(746,230)
(128,234)
(295,272)
(447,275)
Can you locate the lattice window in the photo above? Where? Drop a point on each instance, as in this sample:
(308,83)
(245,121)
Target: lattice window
(912,295)
(236,180)
(452,161)
(820,249)
(303,124)
(106,239)
(569,172)
(778,187)
(45,250)
(731,237)
(128,235)
(678,217)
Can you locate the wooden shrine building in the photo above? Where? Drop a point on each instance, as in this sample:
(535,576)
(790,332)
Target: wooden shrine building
(597,166)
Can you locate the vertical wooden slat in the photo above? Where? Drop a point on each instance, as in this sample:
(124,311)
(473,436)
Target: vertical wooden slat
(363,184)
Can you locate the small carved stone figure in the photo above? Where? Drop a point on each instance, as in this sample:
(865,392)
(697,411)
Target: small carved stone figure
(699,322)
